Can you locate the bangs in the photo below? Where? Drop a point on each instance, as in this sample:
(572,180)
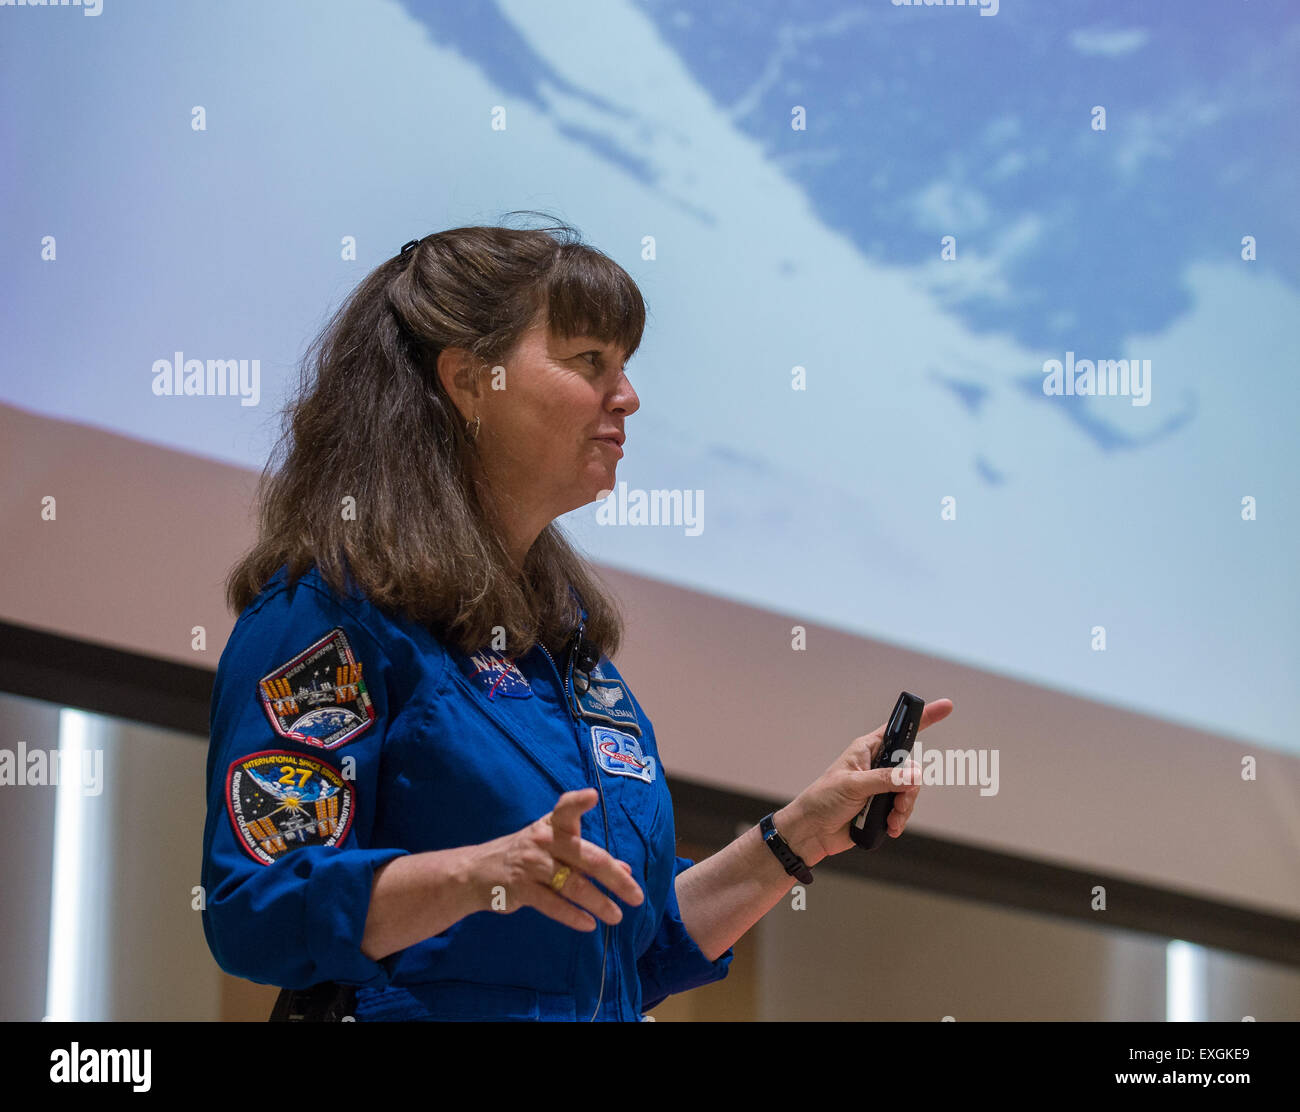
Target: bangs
(588,294)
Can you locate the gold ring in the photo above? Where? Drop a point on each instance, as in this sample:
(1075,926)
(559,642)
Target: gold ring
(561,875)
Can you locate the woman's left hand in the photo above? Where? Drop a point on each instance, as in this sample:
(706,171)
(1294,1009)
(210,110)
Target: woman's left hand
(816,822)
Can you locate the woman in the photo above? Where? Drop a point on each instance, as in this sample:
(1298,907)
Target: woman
(427,781)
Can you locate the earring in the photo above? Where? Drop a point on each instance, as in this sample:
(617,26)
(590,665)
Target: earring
(472,430)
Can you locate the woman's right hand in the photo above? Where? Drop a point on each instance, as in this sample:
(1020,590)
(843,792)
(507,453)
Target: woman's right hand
(524,863)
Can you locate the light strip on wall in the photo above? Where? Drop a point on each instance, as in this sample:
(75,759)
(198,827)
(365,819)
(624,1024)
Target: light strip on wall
(1184,982)
(76,974)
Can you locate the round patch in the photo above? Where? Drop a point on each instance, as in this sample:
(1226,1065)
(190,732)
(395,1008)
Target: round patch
(498,675)
(279,801)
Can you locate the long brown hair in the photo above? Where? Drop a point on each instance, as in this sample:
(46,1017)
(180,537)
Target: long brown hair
(372,422)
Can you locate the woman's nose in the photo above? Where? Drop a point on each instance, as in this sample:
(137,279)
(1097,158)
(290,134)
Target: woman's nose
(625,398)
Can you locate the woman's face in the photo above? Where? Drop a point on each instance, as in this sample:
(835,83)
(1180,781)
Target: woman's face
(552,423)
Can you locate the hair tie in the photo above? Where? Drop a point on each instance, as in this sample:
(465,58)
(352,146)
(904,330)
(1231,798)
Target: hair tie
(408,245)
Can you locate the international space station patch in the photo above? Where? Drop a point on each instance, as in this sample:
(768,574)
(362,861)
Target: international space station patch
(319,698)
(278,801)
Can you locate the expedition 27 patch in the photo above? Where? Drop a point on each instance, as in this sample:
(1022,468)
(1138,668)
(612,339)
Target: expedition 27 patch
(278,801)
(319,697)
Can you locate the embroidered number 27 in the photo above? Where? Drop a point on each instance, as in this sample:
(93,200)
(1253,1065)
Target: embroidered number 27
(288,772)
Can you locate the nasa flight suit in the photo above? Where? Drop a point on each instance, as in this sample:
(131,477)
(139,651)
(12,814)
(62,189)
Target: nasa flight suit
(343,738)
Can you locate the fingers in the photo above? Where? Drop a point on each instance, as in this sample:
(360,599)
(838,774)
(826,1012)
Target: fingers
(556,839)
(904,782)
(560,909)
(566,845)
(906,774)
(899,816)
(583,857)
(579,890)
(577,902)
(569,809)
(873,781)
(563,839)
(530,859)
(587,858)
(903,809)
(935,712)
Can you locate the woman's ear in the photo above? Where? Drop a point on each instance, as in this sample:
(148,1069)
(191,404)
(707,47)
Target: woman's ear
(458,373)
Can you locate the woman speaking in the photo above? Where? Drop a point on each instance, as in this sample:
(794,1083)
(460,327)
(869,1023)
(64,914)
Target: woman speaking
(431,794)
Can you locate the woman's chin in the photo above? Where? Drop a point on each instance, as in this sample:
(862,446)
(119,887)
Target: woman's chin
(602,480)
(603,491)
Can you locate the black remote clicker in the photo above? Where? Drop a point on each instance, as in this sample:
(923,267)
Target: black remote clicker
(868,828)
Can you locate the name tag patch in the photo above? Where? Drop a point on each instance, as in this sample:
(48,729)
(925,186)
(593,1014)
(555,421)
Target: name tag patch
(606,700)
(620,754)
(498,675)
(278,801)
(319,697)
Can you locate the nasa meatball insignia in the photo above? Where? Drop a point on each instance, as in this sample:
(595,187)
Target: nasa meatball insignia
(278,801)
(498,675)
(319,698)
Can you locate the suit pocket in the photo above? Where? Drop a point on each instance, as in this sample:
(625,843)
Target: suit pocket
(653,866)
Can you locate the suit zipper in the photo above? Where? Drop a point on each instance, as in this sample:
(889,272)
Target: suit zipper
(600,785)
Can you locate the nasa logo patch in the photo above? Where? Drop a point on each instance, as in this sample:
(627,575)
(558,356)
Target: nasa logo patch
(621,754)
(498,675)
(319,697)
(278,801)
(605,700)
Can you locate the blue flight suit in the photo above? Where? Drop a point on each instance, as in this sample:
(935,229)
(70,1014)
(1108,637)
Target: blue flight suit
(343,738)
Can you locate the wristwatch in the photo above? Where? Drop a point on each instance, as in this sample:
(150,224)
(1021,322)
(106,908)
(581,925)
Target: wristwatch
(791,862)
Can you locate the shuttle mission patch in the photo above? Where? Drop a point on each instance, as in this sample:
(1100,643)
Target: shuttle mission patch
(621,754)
(278,801)
(319,698)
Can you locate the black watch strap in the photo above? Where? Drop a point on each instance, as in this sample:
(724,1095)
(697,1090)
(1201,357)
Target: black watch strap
(791,862)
